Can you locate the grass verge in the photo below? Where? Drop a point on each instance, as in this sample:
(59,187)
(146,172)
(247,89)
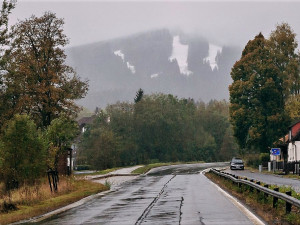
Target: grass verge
(100,172)
(36,200)
(262,206)
(146,168)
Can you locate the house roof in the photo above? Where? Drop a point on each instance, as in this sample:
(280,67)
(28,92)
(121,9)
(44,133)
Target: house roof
(296,137)
(86,120)
(295,123)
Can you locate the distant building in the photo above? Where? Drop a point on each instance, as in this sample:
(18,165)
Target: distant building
(83,124)
(84,121)
(294,142)
(282,143)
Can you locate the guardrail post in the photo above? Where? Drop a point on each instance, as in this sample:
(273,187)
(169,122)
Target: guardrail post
(275,199)
(265,194)
(239,185)
(251,188)
(258,191)
(288,206)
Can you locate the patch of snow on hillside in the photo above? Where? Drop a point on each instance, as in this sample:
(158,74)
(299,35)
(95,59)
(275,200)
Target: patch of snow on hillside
(180,53)
(119,53)
(155,75)
(212,54)
(130,67)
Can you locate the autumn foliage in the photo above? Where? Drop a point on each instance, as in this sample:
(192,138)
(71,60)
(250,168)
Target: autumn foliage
(265,82)
(37,96)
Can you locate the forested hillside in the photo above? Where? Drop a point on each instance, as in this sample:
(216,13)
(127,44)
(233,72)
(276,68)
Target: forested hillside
(158,127)
(158,61)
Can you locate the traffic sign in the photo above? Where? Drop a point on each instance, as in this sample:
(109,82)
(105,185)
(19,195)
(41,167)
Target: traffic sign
(275,151)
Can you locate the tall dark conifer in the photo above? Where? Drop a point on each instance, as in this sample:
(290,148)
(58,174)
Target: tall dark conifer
(260,89)
(139,95)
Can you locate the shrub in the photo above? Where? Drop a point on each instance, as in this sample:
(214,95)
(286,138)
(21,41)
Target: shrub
(83,167)
(252,160)
(23,152)
(264,157)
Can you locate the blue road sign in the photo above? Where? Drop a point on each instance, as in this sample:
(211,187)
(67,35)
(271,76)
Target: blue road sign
(275,151)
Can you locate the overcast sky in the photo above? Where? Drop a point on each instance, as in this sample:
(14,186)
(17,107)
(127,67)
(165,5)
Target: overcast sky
(222,22)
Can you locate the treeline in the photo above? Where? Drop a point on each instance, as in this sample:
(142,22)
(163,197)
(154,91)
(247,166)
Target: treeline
(158,128)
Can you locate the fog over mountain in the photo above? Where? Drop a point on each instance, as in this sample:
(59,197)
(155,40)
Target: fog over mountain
(156,61)
(112,46)
(226,22)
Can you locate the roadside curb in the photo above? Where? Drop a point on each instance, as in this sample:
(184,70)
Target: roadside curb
(63,209)
(80,202)
(110,175)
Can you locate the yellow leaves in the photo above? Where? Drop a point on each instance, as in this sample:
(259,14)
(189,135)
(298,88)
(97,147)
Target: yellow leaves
(293,106)
(38,80)
(52,152)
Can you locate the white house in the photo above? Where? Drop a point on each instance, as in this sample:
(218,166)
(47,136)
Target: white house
(294,143)
(294,151)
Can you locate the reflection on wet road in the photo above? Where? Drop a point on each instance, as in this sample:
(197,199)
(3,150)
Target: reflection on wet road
(168,195)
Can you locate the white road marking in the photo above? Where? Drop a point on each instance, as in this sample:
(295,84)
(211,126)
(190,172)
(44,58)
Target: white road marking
(254,219)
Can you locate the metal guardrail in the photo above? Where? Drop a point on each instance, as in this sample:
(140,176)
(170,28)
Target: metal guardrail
(274,193)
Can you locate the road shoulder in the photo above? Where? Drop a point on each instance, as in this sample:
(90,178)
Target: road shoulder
(255,219)
(123,172)
(250,201)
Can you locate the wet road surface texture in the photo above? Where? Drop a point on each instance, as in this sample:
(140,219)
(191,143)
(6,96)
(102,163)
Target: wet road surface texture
(167,195)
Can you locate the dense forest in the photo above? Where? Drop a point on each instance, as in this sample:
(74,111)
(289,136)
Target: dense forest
(158,127)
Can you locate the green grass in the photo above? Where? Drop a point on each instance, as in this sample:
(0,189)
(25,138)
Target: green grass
(282,189)
(100,172)
(148,167)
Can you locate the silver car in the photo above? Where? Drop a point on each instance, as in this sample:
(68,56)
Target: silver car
(237,163)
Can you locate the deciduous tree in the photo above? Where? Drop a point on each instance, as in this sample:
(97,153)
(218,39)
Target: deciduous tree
(261,87)
(38,81)
(60,135)
(23,152)
(7,6)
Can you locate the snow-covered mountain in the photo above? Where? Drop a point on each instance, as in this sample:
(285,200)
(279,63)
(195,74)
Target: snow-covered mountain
(156,61)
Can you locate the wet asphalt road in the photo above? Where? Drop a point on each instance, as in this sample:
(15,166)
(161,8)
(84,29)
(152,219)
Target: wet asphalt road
(268,178)
(168,195)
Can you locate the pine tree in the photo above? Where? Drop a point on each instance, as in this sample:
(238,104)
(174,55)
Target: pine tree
(139,95)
